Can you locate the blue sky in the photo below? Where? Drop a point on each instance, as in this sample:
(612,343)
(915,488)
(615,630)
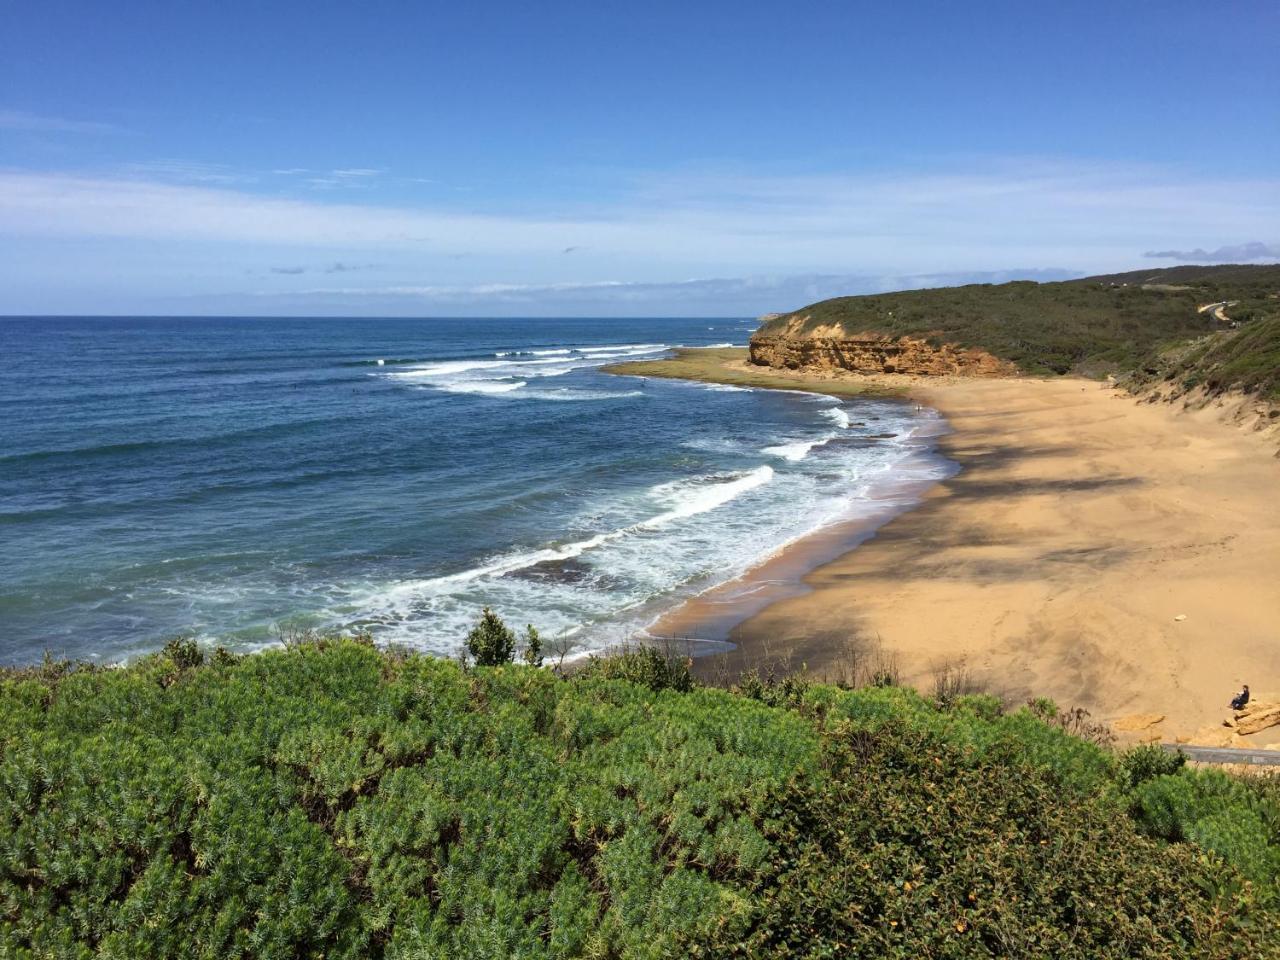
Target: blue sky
(618,159)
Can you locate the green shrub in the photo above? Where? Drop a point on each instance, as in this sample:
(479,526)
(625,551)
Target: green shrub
(491,641)
(647,666)
(184,652)
(328,799)
(1146,762)
(532,654)
(1235,819)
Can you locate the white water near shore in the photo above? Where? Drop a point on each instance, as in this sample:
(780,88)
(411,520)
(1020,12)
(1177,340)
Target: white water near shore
(863,461)
(219,481)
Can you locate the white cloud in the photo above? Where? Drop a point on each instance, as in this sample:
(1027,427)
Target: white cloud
(17,120)
(742,296)
(1011,213)
(1232,253)
(187,171)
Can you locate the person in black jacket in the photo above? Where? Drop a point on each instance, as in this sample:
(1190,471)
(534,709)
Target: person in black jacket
(1240,699)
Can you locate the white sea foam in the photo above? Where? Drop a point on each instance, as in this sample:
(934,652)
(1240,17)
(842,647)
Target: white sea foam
(482,386)
(629,552)
(568,394)
(447,367)
(468,376)
(794,451)
(690,497)
(533,353)
(839,415)
(604,588)
(639,347)
(687,498)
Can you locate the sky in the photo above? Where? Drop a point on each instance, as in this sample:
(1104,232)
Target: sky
(619,159)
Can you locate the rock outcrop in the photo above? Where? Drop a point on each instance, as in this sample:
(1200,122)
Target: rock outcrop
(874,353)
(1258,715)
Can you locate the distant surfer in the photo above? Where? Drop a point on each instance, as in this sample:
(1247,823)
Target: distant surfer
(1240,699)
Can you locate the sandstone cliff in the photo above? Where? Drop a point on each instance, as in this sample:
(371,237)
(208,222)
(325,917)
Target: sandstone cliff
(831,346)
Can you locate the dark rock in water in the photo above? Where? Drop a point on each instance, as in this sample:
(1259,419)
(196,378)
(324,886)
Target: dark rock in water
(572,571)
(568,570)
(863,440)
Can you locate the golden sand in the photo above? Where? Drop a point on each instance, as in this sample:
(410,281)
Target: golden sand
(1113,555)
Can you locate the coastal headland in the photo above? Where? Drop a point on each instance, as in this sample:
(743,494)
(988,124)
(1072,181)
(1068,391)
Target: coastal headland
(1114,555)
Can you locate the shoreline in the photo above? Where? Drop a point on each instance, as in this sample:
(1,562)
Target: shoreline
(1051,564)
(707,619)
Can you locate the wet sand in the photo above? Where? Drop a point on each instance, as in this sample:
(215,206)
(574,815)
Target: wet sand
(1113,555)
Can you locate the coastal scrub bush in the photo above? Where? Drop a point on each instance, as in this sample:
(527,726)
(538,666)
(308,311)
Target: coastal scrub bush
(532,654)
(1147,761)
(647,666)
(330,799)
(491,641)
(184,652)
(1233,818)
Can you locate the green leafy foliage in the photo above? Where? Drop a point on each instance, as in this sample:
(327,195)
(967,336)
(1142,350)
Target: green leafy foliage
(184,652)
(491,642)
(1148,761)
(647,666)
(1236,819)
(1246,359)
(1094,326)
(532,654)
(332,800)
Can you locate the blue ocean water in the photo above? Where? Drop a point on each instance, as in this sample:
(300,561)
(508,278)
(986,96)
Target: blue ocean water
(222,477)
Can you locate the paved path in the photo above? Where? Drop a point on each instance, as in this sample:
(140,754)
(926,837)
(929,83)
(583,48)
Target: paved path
(1269,758)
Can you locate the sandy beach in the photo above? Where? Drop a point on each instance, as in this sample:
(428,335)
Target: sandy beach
(1119,556)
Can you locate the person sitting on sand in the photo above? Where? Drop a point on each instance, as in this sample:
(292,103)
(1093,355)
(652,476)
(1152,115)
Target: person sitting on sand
(1240,699)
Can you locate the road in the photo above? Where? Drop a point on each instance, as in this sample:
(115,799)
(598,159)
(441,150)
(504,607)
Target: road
(1266,758)
(1218,309)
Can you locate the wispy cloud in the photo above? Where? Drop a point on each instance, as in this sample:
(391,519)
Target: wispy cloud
(725,296)
(188,171)
(18,120)
(349,267)
(346,177)
(1071,216)
(1237,253)
(336,267)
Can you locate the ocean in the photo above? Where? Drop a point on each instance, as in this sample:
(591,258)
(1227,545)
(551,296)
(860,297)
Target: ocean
(230,478)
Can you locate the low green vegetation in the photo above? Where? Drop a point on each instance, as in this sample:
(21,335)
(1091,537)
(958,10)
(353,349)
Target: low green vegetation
(329,799)
(1246,359)
(1094,326)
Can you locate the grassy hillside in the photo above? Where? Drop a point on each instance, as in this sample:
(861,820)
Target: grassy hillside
(1247,359)
(1097,325)
(332,800)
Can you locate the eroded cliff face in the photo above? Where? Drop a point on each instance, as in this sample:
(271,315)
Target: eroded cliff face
(871,353)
